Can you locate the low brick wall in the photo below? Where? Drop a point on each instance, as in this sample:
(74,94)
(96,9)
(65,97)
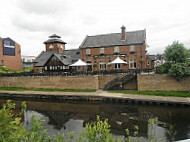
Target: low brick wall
(62,82)
(65,82)
(161,82)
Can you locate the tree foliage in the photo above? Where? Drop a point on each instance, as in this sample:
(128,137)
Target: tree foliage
(176,53)
(163,69)
(179,71)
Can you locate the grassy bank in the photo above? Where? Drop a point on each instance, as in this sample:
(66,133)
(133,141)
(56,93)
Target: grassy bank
(45,89)
(157,93)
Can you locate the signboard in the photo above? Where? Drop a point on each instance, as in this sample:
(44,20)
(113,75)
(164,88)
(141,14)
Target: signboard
(8,47)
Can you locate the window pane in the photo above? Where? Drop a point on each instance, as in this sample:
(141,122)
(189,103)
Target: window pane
(102,65)
(101,50)
(87,51)
(116,49)
(132,48)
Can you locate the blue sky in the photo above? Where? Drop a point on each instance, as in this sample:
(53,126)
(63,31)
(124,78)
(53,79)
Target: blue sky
(30,22)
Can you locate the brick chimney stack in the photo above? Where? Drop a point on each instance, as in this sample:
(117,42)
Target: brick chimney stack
(123,34)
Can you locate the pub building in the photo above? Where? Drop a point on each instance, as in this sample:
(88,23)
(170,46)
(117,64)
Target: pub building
(55,58)
(99,51)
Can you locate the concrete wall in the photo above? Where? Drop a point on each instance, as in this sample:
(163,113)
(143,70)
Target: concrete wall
(62,82)
(161,82)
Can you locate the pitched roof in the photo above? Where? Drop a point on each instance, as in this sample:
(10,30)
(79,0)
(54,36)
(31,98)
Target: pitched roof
(64,59)
(42,58)
(134,37)
(73,54)
(67,57)
(152,57)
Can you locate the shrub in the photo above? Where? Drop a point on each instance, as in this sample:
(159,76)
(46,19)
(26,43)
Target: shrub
(163,69)
(179,70)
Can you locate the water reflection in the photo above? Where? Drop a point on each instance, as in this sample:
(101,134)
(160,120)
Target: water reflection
(72,116)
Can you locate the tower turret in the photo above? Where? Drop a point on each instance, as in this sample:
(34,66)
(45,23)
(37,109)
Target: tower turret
(54,43)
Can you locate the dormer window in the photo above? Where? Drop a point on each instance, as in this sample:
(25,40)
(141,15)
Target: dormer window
(101,50)
(61,46)
(87,51)
(132,48)
(116,49)
(51,47)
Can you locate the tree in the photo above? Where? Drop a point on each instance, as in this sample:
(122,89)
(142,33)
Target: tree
(176,53)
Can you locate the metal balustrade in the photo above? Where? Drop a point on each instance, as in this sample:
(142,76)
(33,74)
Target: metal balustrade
(75,73)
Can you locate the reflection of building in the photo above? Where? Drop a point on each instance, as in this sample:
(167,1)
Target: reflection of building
(55,58)
(99,50)
(10,54)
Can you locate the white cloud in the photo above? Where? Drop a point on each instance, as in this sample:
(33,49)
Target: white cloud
(30,22)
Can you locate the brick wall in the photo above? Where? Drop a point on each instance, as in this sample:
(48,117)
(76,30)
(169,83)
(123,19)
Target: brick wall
(140,53)
(161,82)
(50,82)
(65,82)
(151,82)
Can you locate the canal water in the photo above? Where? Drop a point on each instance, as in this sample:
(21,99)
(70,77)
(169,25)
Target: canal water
(70,116)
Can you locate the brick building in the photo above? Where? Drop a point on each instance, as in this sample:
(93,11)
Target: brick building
(99,50)
(154,60)
(10,54)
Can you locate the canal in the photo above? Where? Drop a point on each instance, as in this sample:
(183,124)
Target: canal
(67,116)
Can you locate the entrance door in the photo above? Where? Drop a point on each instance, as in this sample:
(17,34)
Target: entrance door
(89,65)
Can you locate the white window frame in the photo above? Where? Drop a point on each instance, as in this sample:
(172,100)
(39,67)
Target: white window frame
(117,66)
(116,49)
(87,51)
(132,48)
(45,68)
(101,50)
(102,65)
(50,67)
(132,62)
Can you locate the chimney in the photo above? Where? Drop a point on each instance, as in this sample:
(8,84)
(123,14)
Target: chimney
(123,33)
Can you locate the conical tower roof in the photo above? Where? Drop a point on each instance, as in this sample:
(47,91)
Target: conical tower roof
(54,39)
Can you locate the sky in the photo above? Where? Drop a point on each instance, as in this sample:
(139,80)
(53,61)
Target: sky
(31,22)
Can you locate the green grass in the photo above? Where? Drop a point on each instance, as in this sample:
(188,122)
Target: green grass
(157,93)
(45,89)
